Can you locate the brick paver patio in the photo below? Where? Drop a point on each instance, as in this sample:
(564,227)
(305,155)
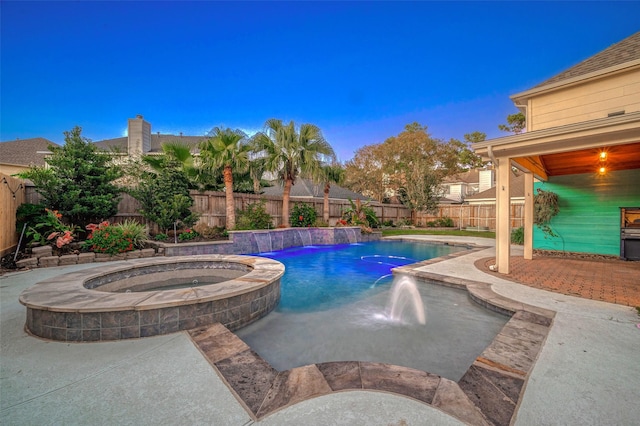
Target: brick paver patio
(614,281)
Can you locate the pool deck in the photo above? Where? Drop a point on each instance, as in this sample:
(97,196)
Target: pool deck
(586,372)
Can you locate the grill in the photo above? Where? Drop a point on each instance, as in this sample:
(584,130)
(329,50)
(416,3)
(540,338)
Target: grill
(630,233)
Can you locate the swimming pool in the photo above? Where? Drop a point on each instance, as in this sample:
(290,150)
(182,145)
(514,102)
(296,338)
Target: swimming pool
(334,305)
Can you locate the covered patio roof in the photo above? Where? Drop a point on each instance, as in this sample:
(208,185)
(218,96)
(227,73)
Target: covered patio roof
(571,149)
(611,143)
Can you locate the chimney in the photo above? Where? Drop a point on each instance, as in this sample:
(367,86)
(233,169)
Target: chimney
(486,180)
(139,139)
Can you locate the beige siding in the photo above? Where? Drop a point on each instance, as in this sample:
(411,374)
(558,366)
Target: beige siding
(585,102)
(10,169)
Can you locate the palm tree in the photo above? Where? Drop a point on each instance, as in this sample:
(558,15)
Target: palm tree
(289,152)
(329,173)
(228,149)
(177,155)
(256,170)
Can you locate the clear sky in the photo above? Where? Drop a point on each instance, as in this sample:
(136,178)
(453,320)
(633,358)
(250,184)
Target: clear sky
(360,71)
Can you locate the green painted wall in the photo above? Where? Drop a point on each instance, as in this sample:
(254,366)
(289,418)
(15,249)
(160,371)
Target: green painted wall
(589,217)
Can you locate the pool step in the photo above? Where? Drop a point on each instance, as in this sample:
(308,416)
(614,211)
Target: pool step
(261,389)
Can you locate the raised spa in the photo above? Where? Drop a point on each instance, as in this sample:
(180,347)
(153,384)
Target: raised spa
(148,297)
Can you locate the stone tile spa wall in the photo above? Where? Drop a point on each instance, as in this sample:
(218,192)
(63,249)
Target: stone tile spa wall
(72,308)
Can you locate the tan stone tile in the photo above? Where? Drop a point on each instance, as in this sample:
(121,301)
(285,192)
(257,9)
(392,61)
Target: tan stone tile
(293,386)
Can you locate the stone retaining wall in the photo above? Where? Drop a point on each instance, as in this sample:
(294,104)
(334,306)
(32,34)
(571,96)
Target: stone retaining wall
(260,241)
(240,242)
(43,257)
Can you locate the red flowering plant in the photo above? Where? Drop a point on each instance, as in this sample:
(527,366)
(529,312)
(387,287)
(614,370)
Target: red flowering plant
(188,234)
(51,230)
(302,215)
(114,239)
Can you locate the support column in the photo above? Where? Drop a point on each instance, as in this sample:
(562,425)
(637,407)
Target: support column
(528,215)
(503,215)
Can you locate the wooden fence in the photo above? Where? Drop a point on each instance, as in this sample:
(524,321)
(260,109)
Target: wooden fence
(211,207)
(12,194)
(472,216)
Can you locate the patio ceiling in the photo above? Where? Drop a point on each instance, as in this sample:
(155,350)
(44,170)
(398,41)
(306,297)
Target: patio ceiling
(618,157)
(572,149)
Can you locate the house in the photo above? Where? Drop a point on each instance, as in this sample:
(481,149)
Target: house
(488,196)
(140,141)
(582,141)
(21,154)
(459,187)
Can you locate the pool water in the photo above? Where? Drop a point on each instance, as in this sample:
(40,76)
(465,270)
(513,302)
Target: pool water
(334,307)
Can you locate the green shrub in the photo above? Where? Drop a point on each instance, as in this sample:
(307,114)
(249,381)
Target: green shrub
(138,232)
(164,197)
(444,222)
(31,214)
(360,214)
(302,215)
(254,216)
(388,223)
(441,222)
(517,236)
(211,232)
(161,237)
(188,235)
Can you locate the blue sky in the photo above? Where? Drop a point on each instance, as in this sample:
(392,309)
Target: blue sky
(360,71)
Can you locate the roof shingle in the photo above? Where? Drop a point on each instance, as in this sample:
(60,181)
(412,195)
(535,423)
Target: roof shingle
(157,140)
(624,51)
(306,188)
(25,152)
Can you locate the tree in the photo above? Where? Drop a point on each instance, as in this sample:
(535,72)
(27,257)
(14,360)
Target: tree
(328,174)
(288,151)
(411,165)
(180,156)
(164,195)
(416,163)
(364,173)
(226,149)
(256,170)
(79,181)
(516,123)
(200,177)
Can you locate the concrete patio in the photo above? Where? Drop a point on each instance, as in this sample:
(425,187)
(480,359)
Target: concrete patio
(586,372)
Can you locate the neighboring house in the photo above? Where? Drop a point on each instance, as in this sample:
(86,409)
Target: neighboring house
(459,187)
(488,196)
(305,188)
(582,141)
(140,141)
(21,154)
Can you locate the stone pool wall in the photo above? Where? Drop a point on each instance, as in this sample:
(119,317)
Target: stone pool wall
(260,241)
